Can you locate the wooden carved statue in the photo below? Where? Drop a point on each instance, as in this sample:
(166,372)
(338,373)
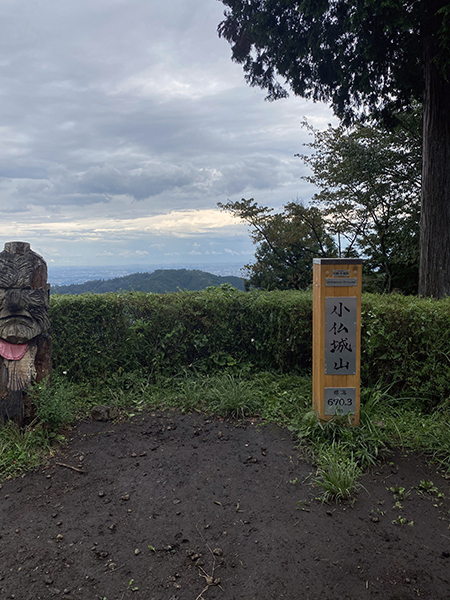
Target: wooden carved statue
(25,346)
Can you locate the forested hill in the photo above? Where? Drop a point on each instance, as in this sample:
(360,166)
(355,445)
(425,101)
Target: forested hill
(160,282)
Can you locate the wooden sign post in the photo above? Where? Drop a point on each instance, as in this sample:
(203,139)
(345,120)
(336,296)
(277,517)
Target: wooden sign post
(336,337)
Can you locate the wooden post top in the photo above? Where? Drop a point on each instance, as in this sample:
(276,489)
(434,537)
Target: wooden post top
(337,261)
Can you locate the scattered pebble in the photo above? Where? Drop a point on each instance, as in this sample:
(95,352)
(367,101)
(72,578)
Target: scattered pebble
(137,551)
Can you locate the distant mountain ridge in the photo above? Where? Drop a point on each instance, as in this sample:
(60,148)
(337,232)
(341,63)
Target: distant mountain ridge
(161,281)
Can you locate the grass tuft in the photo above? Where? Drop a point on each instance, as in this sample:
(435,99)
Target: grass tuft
(338,476)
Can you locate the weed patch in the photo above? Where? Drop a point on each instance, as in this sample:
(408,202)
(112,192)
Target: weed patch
(338,476)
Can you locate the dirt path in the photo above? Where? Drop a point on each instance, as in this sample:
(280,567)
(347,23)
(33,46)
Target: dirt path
(184,507)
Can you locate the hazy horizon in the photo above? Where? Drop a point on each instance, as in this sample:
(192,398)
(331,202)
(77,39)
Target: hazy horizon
(68,275)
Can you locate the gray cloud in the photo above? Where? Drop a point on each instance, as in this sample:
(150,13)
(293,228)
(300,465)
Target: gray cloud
(120,109)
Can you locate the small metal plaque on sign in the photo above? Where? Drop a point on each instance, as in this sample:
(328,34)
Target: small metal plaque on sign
(341,273)
(342,282)
(340,401)
(340,335)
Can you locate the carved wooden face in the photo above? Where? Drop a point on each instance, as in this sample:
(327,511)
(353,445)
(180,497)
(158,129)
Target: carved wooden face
(24,297)
(23,314)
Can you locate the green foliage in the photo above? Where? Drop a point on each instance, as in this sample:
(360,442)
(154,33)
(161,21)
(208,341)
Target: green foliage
(427,486)
(402,521)
(287,243)
(369,60)
(369,180)
(54,403)
(405,345)
(21,449)
(338,476)
(89,333)
(97,336)
(400,492)
(405,341)
(363,445)
(360,56)
(231,396)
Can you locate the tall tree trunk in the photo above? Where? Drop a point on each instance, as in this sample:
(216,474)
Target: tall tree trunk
(434,275)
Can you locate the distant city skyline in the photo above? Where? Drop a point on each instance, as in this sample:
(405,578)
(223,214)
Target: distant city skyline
(123,124)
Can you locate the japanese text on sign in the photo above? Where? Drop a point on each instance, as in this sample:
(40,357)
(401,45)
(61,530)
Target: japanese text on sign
(340,335)
(340,401)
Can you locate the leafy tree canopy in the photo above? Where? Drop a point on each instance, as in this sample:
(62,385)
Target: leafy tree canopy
(369,180)
(287,242)
(360,56)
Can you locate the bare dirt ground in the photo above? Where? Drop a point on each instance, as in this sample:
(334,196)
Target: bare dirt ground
(185,507)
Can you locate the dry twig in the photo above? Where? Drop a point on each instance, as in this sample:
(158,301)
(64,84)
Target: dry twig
(70,467)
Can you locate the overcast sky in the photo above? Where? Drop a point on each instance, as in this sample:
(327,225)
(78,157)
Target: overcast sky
(124,122)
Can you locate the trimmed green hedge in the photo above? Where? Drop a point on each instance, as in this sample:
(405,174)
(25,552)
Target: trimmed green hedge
(406,341)
(94,335)
(406,345)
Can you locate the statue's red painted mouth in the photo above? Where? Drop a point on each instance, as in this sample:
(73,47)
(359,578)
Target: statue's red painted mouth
(12,351)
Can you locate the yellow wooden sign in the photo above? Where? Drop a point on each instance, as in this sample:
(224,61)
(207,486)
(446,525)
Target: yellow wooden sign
(337,337)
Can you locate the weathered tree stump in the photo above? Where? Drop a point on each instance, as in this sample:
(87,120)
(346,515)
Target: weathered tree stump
(25,346)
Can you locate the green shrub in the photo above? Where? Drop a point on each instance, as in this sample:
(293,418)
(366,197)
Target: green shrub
(54,404)
(406,346)
(405,340)
(95,336)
